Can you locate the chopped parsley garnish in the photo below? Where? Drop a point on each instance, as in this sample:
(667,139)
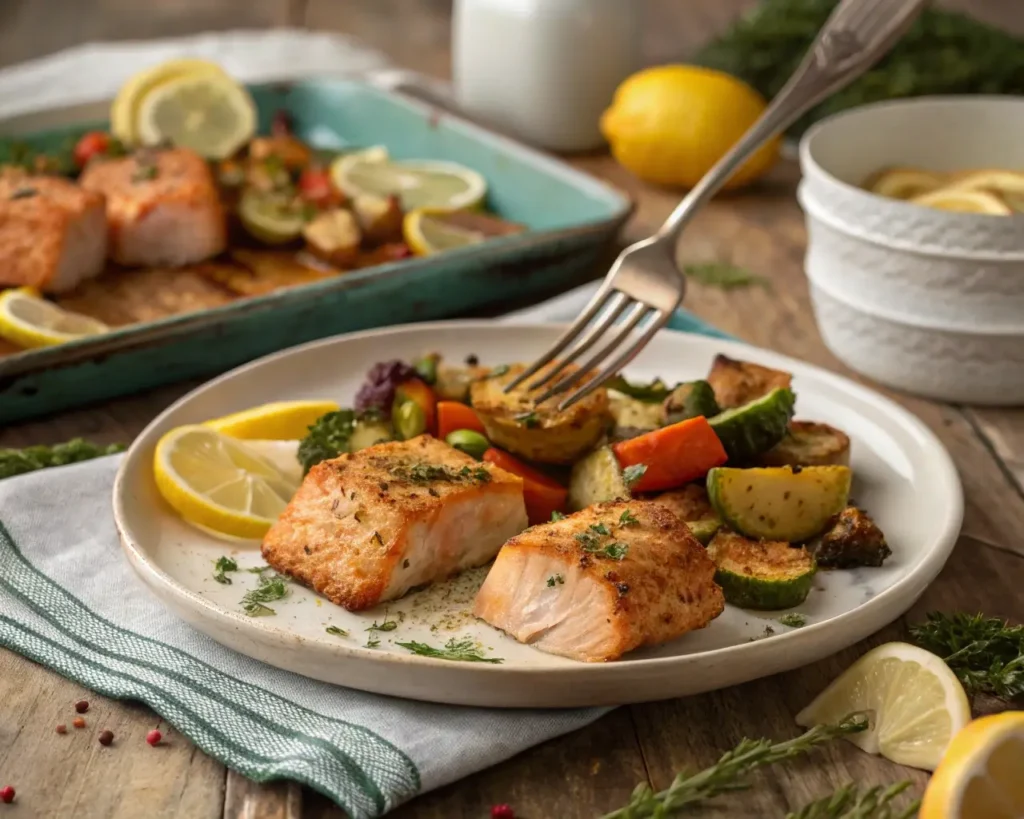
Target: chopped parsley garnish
(145,170)
(600,528)
(335,631)
(627,518)
(793,620)
(527,419)
(430,473)
(387,625)
(222,567)
(258,569)
(632,474)
(270,588)
(464,650)
(591,542)
(373,642)
(556,515)
(556,580)
(616,551)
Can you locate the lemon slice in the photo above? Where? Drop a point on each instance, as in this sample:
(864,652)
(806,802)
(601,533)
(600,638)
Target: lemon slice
(905,183)
(278,421)
(429,230)
(270,217)
(442,185)
(964,201)
(125,108)
(219,483)
(209,113)
(980,775)
(27,320)
(914,702)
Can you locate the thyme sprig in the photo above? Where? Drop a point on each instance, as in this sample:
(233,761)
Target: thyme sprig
(985,653)
(729,772)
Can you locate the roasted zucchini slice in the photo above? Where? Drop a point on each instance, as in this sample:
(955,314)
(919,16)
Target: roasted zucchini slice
(739,382)
(852,539)
(689,400)
(369,431)
(632,415)
(779,502)
(691,505)
(761,574)
(754,428)
(539,432)
(808,443)
(595,479)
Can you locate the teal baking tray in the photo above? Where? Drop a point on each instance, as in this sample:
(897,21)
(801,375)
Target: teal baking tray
(571,218)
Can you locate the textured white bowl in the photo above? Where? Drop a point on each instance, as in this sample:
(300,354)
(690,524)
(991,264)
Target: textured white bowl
(941,291)
(944,364)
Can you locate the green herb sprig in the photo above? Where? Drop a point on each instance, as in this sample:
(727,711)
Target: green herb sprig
(221,569)
(463,651)
(20,461)
(631,475)
(387,624)
(335,631)
(793,620)
(270,588)
(724,275)
(852,803)
(729,772)
(985,653)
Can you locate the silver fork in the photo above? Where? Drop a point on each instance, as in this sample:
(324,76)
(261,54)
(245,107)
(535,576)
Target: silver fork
(644,286)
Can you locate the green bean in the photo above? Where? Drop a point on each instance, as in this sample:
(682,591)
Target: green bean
(469,441)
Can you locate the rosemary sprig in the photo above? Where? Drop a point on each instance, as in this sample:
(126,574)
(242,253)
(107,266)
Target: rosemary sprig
(728,773)
(464,650)
(852,803)
(724,275)
(985,653)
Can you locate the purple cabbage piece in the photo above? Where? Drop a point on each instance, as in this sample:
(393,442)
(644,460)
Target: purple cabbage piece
(378,391)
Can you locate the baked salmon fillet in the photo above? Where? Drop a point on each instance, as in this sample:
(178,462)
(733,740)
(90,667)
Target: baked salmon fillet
(53,234)
(604,581)
(368,527)
(163,207)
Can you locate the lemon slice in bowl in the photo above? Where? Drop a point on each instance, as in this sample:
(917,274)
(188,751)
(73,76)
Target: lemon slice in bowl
(277,421)
(980,775)
(209,113)
(220,483)
(964,201)
(430,230)
(28,320)
(420,184)
(125,108)
(904,183)
(914,702)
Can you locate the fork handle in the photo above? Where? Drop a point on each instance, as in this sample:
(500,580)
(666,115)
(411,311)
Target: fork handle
(835,59)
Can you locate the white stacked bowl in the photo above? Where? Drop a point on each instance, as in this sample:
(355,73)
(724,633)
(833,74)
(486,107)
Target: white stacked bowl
(923,300)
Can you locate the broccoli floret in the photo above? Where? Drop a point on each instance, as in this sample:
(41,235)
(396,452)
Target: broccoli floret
(327,438)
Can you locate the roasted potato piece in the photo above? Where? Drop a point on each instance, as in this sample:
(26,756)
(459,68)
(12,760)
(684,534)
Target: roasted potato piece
(632,415)
(453,383)
(293,153)
(538,432)
(853,539)
(691,505)
(334,237)
(739,382)
(808,443)
(379,218)
(597,478)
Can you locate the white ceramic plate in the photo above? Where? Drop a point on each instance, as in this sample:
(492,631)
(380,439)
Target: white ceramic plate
(903,476)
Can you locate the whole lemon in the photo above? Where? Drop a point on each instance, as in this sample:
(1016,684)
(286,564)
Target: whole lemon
(670,124)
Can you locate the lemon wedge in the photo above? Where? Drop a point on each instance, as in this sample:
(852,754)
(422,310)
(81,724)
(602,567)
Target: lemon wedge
(915,704)
(905,183)
(277,421)
(430,230)
(28,320)
(125,108)
(980,775)
(420,184)
(964,201)
(997,181)
(209,113)
(219,483)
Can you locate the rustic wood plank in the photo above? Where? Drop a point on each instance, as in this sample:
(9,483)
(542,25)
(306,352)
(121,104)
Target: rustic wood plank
(73,775)
(1003,429)
(245,799)
(30,28)
(573,777)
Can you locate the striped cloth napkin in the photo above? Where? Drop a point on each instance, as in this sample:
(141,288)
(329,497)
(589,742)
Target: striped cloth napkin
(69,600)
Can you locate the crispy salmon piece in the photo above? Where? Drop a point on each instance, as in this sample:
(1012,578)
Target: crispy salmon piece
(601,582)
(53,234)
(368,527)
(163,208)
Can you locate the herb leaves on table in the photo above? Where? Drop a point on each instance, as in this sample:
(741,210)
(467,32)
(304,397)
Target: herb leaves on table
(19,461)
(852,803)
(724,275)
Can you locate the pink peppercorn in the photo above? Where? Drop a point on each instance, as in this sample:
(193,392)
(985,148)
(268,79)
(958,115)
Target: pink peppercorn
(503,812)
(7,794)
(154,737)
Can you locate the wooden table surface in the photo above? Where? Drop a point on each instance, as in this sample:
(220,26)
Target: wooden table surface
(594,770)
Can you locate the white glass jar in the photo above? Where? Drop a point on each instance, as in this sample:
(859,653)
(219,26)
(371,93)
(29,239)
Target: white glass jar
(543,70)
